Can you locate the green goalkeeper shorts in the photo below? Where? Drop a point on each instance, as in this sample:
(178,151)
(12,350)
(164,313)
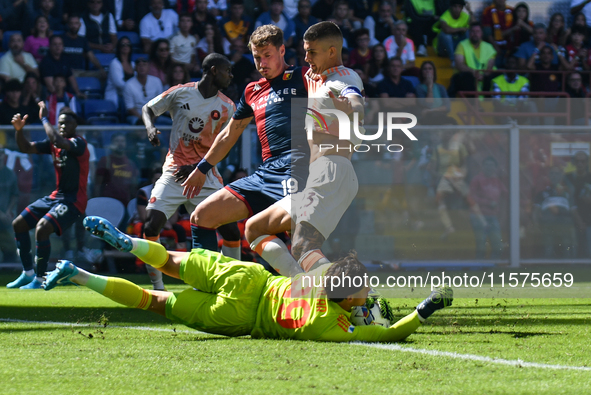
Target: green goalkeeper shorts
(226,297)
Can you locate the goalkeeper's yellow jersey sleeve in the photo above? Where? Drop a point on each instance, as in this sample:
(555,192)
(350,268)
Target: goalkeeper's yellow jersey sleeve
(299,309)
(375,333)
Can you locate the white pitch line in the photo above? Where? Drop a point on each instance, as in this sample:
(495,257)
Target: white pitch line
(391,347)
(472,357)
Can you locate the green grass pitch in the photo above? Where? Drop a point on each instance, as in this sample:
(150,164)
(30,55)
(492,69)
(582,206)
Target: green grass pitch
(72,340)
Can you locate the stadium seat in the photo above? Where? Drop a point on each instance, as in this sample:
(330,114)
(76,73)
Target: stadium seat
(133,37)
(6,39)
(91,86)
(131,208)
(135,56)
(104,59)
(98,108)
(413,80)
(110,209)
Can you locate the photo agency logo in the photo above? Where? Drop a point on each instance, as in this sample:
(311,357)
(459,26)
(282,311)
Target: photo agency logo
(328,120)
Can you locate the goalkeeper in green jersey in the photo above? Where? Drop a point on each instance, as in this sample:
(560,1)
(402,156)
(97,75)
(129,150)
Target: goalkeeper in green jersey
(234,298)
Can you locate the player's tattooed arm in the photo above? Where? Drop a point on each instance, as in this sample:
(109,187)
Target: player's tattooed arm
(226,139)
(182,172)
(305,238)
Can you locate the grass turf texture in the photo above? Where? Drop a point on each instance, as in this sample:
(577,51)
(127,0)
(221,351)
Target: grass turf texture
(106,352)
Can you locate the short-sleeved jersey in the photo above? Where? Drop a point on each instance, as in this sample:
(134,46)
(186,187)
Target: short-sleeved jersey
(71,170)
(196,121)
(341,81)
(299,309)
(269,102)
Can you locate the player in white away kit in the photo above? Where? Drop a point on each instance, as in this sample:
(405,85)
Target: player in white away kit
(199,112)
(332,184)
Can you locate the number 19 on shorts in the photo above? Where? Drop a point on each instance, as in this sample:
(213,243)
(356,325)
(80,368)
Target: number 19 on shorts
(289,186)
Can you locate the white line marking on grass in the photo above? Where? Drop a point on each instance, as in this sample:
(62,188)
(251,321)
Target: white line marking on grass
(392,347)
(471,357)
(141,328)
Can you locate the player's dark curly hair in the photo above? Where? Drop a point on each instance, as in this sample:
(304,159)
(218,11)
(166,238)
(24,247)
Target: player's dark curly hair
(347,267)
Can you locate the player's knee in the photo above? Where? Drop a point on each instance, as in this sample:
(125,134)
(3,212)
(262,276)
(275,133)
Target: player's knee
(43,230)
(200,217)
(20,225)
(253,230)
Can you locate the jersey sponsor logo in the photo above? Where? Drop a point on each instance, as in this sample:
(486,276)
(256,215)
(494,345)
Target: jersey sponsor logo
(186,107)
(256,87)
(153,199)
(196,125)
(215,115)
(287,75)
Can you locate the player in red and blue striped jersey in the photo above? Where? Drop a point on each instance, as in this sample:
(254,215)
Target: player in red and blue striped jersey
(268,101)
(58,211)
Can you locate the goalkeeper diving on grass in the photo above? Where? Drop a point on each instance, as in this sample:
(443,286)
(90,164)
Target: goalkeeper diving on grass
(233,298)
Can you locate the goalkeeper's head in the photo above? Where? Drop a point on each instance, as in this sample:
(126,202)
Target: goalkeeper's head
(346,282)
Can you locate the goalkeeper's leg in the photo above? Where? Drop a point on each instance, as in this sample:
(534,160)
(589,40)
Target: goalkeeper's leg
(117,289)
(152,253)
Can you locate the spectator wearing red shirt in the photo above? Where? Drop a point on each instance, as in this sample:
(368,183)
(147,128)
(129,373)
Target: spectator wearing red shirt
(576,53)
(497,20)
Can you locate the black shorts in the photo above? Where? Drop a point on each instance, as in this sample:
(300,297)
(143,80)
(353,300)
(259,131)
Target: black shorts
(273,180)
(59,213)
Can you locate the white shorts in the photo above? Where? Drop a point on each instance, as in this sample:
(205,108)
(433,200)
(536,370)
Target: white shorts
(331,187)
(167,195)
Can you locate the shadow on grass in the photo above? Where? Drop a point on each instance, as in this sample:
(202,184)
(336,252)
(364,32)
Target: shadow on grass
(82,315)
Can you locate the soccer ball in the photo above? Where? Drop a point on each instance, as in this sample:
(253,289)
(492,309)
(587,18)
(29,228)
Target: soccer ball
(361,315)
(376,311)
(381,312)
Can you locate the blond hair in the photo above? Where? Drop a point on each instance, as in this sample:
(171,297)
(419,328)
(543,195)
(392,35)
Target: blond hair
(266,35)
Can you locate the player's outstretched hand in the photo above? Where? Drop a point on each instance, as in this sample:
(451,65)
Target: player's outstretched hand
(153,136)
(181,174)
(18,122)
(341,103)
(193,184)
(42,110)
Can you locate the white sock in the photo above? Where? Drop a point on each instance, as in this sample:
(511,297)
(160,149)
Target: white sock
(40,279)
(155,274)
(274,251)
(29,272)
(155,278)
(312,259)
(232,252)
(421,318)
